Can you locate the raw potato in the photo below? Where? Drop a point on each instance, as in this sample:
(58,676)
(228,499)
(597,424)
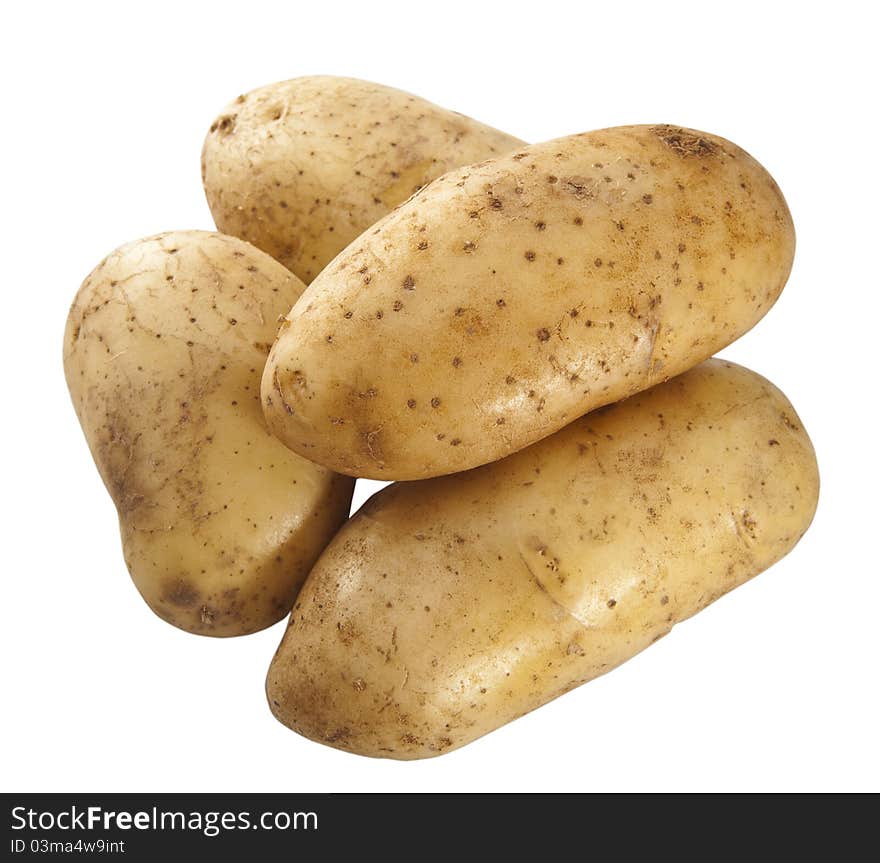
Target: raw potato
(163,352)
(448,607)
(511,297)
(302,167)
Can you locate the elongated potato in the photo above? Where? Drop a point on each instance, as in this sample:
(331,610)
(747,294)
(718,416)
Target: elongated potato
(509,298)
(163,352)
(448,607)
(300,168)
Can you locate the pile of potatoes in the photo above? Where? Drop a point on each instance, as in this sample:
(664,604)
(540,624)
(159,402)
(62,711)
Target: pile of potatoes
(519,336)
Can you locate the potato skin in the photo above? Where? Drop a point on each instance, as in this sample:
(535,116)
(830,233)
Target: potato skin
(300,168)
(509,298)
(448,607)
(163,351)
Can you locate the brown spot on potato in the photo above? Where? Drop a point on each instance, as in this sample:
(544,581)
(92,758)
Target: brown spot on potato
(579,187)
(224,125)
(684,142)
(337,735)
(346,631)
(181,593)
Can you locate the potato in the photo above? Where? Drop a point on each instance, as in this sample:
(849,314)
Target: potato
(448,607)
(163,352)
(302,167)
(509,298)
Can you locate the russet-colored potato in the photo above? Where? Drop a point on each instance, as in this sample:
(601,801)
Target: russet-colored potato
(163,352)
(510,297)
(448,607)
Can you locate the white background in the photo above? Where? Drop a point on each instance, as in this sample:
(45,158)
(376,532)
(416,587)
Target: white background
(103,112)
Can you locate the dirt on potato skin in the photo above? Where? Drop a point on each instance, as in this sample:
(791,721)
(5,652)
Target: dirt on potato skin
(447,607)
(300,168)
(512,296)
(163,351)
